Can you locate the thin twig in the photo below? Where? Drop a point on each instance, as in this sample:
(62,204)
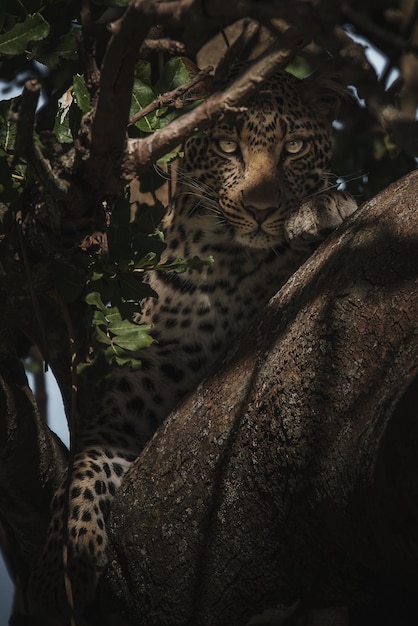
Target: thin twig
(169,46)
(179,97)
(56,186)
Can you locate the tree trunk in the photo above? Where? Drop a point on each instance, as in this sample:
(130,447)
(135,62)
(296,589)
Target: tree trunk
(289,473)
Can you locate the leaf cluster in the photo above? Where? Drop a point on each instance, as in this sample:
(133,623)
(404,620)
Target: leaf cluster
(121,337)
(110,283)
(44,32)
(145,93)
(114,282)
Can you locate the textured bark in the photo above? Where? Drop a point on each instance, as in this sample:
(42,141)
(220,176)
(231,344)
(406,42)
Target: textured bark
(289,473)
(32,462)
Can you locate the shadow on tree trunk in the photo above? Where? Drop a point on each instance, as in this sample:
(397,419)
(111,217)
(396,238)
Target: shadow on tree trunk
(290,473)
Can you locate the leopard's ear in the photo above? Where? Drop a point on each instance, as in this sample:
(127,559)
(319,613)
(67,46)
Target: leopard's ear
(323,92)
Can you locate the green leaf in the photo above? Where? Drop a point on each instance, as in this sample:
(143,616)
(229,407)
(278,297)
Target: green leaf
(180,265)
(174,113)
(96,275)
(66,48)
(130,361)
(17,39)
(170,157)
(62,128)
(121,336)
(102,337)
(143,72)
(94,299)
(99,319)
(81,94)
(134,340)
(113,316)
(130,336)
(142,96)
(174,74)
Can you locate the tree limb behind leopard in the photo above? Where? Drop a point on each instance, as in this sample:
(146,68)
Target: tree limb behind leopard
(254,193)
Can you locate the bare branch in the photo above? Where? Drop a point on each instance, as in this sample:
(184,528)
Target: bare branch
(164,44)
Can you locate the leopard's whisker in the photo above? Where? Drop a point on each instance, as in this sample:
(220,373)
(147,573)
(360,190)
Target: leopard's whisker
(331,186)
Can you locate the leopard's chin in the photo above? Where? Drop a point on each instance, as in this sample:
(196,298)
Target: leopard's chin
(259,239)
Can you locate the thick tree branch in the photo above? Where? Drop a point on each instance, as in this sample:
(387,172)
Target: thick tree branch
(116,83)
(271,480)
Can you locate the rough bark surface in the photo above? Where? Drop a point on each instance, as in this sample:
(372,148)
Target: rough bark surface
(290,469)
(25,496)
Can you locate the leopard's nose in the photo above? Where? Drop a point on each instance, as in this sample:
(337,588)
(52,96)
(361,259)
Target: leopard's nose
(260,215)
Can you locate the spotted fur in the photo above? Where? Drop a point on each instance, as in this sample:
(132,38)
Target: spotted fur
(254,193)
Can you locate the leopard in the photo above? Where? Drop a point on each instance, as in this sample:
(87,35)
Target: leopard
(255,193)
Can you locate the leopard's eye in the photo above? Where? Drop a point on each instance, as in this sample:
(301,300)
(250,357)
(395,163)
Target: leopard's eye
(294,146)
(228,146)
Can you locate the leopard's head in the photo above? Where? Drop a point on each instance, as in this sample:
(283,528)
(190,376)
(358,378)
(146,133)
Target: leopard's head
(255,167)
